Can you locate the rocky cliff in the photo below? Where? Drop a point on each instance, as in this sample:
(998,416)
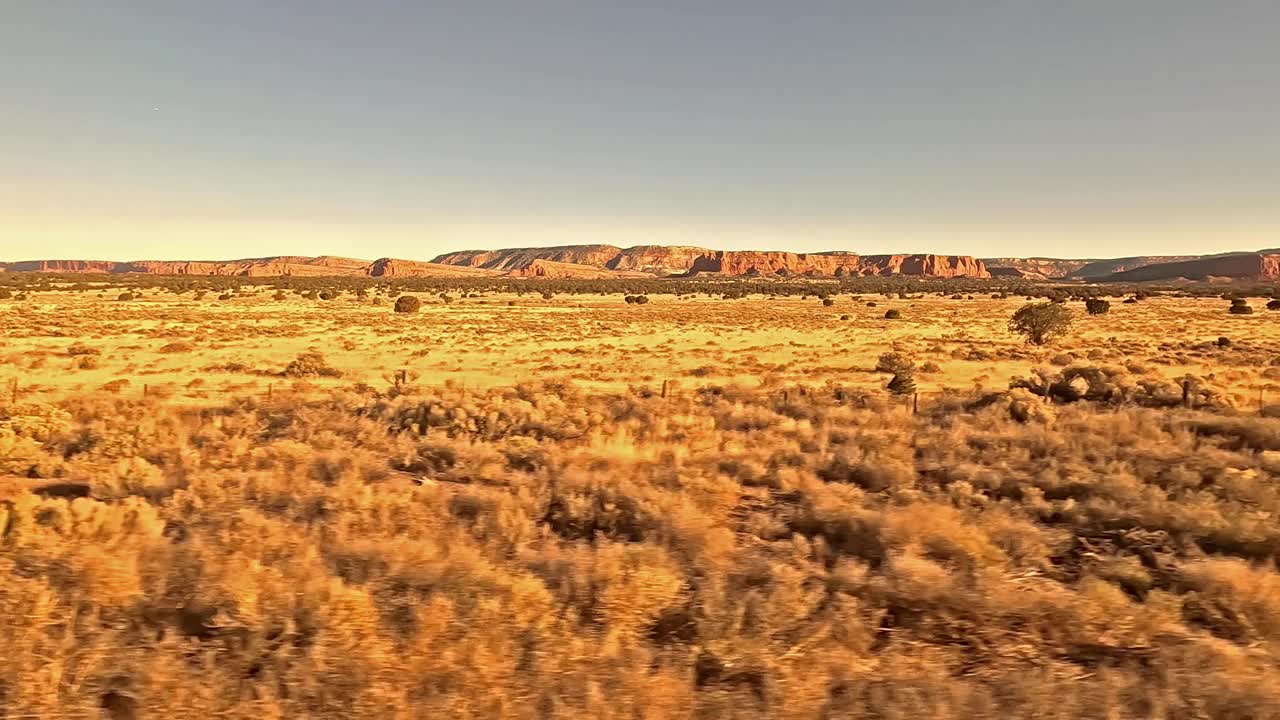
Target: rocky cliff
(753,263)
(657,259)
(64,266)
(520,258)
(1035,267)
(540,268)
(392,267)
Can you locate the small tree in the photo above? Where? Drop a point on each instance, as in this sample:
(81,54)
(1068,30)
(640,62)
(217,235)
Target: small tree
(895,363)
(1041,323)
(1097,306)
(406,304)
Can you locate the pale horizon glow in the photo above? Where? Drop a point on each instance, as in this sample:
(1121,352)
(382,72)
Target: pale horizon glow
(157,130)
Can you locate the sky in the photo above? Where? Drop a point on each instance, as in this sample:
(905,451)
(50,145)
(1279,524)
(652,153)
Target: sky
(189,129)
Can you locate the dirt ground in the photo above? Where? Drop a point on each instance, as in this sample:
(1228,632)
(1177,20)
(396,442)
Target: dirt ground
(198,350)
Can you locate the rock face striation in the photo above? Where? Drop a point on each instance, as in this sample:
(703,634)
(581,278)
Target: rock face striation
(751,263)
(687,260)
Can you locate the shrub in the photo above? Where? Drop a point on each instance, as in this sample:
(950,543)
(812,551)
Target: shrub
(125,297)
(176,347)
(310,364)
(892,314)
(225,296)
(279,296)
(1240,306)
(407,304)
(894,363)
(1096,306)
(828,302)
(1273,305)
(1041,323)
(5,294)
(327,294)
(642,299)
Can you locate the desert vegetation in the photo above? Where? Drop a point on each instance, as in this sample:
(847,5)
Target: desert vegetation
(537,500)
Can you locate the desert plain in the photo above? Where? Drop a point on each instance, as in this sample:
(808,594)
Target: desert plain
(255,502)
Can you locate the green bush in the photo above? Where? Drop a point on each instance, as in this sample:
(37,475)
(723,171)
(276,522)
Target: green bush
(406,304)
(1096,306)
(1041,323)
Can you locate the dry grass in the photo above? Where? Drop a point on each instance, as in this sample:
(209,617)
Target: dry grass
(522,526)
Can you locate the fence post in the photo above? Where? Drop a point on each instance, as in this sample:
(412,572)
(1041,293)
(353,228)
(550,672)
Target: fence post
(269,388)
(666,385)
(146,390)
(1186,392)
(13,391)
(915,404)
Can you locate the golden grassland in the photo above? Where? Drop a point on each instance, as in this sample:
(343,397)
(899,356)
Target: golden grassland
(199,517)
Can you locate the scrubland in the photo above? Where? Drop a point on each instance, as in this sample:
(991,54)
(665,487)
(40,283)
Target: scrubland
(276,506)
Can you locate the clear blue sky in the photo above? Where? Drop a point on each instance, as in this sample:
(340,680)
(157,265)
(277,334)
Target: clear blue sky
(228,128)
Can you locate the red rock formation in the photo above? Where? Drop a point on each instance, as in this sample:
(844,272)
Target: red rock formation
(735,263)
(1013,272)
(939,266)
(391,267)
(1034,267)
(657,259)
(64,266)
(650,259)
(520,258)
(551,269)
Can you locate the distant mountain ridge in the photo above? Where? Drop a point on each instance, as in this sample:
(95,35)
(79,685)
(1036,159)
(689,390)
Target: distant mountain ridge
(683,259)
(568,261)
(641,261)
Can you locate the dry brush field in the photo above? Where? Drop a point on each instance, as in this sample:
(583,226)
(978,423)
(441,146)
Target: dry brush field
(267,506)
